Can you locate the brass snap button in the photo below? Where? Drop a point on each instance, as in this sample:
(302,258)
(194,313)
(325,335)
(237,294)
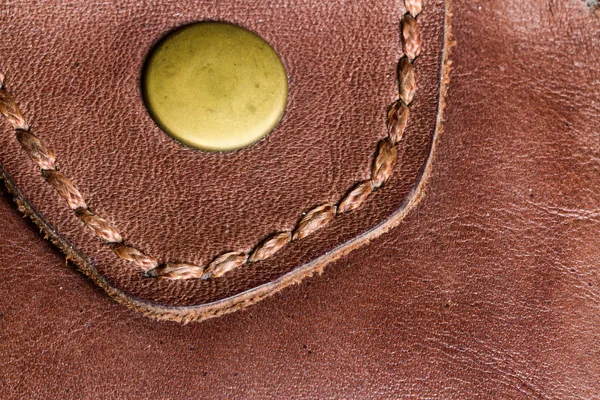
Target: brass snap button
(215,86)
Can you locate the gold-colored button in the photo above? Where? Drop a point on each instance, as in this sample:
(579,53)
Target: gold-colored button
(215,86)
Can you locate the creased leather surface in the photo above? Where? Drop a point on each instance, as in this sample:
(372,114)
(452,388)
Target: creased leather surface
(181,205)
(490,289)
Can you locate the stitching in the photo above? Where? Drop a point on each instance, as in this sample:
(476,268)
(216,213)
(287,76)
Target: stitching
(186,314)
(312,221)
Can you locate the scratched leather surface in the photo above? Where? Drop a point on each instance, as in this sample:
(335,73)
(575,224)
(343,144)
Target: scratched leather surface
(77,81)
(490,289)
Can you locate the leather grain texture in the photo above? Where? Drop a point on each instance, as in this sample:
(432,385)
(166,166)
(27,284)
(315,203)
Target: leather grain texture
(181,205)
(489,289)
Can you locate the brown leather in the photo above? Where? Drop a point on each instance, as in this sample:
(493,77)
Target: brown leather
(489,289)
(182,205)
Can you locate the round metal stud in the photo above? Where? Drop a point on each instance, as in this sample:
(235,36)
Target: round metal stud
(215,86)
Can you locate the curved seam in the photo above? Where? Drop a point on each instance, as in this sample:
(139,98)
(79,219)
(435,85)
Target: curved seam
(314,219)
(185,314)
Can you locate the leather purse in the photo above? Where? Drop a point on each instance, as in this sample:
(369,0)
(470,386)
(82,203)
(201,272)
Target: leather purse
(437,165)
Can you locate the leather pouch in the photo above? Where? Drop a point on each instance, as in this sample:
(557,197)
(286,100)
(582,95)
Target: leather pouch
(183,234)
(480,275)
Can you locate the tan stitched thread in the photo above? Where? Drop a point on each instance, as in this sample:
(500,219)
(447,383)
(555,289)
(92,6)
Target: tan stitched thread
(98,225)
(413,7)
(269,247)
(356,197)
(176,271)
(135,256)
(397,119)
(411,37)
(225,263)
(384,163)
(313,220)
(39,153)
(408,82)
(65,188)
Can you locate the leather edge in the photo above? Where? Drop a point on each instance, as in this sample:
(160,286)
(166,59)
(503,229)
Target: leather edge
(186,314)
